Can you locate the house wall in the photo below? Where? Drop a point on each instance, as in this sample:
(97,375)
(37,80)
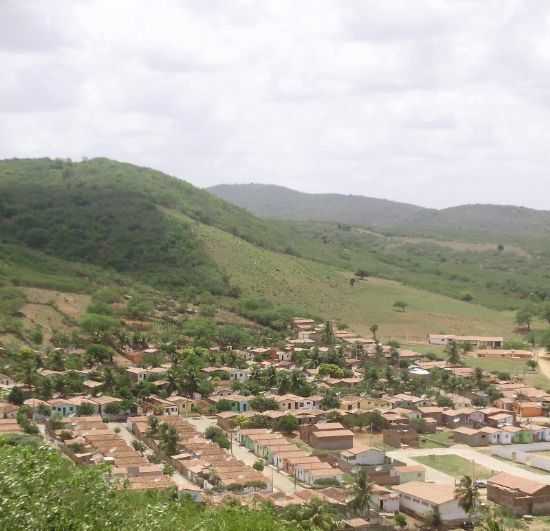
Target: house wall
(331,443)
(450,511)
(405,477)
(388,505)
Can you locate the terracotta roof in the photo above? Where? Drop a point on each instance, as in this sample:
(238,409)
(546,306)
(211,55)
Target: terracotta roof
(516,483)
(332,433)
(435,494)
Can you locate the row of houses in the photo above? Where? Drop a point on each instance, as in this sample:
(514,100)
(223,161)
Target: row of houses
(286,455)
(506,435)
(201,461)
(88,440)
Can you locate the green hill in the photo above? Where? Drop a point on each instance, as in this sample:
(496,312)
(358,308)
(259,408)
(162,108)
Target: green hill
(75,226)
(467,222)
(326,291)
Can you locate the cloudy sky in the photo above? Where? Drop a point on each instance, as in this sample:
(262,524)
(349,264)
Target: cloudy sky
(431,102)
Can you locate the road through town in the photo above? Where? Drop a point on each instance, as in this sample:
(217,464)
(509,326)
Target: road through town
(281,481)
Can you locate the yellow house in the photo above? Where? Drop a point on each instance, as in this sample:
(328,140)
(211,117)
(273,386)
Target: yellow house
(368,403)
(184,404)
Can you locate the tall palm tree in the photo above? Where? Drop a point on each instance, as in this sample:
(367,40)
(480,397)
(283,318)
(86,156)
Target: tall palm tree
(362,490)
(374,330)
(467,495)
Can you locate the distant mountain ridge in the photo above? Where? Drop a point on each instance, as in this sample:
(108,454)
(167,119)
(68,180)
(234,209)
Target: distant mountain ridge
(477,220)
(267,200)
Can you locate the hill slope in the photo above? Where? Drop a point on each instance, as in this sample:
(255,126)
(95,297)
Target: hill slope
(326,291)
(283,203)
(147,227)
(469,222)
(110,214)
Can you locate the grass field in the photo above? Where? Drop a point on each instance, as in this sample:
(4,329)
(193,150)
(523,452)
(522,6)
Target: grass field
(440,439)
(455,466)
(326,291)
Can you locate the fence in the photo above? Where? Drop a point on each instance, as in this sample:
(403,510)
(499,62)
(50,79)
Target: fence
(524,458)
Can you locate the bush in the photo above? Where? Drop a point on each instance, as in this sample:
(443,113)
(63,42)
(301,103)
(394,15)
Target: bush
(259,465)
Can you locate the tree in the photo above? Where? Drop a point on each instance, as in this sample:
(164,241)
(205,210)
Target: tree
(362,274)
(16,396)
(258,465)
(453,353)
(328,334)
(332,370)
(100,354)
(352,282)
(532,364)
(98,326)
(374,329)
(330,400)
(153,426)
(85,409)
(261,404)
(400,306)
(524,317)
(478,376)
(168,439)
(138,446)
(362,490)
(224,405)
(545,312)
(467,494)
(400,520)
(375,421)
(217,435)
(287,424)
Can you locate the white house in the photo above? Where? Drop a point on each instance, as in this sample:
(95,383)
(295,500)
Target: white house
(239,375)
(492,434)
(505,437)
(362,455)
(422,499)
(384,500)
(540,433)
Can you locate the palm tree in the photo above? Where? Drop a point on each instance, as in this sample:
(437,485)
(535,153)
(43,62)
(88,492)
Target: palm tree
(374,329)
(362,490)
(467,495)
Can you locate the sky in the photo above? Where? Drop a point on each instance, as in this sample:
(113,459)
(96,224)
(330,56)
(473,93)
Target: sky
(436,103)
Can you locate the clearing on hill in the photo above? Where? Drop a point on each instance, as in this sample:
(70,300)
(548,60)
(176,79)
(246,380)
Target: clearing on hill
(326,291)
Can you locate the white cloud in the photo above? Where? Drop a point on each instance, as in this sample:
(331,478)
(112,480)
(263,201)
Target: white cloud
(433,102)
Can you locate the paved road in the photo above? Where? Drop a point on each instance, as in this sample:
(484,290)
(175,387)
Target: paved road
(470,454)
(281,481)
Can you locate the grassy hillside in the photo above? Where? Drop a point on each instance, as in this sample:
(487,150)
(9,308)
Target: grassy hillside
(498,278)
(114,216)
(326,291)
